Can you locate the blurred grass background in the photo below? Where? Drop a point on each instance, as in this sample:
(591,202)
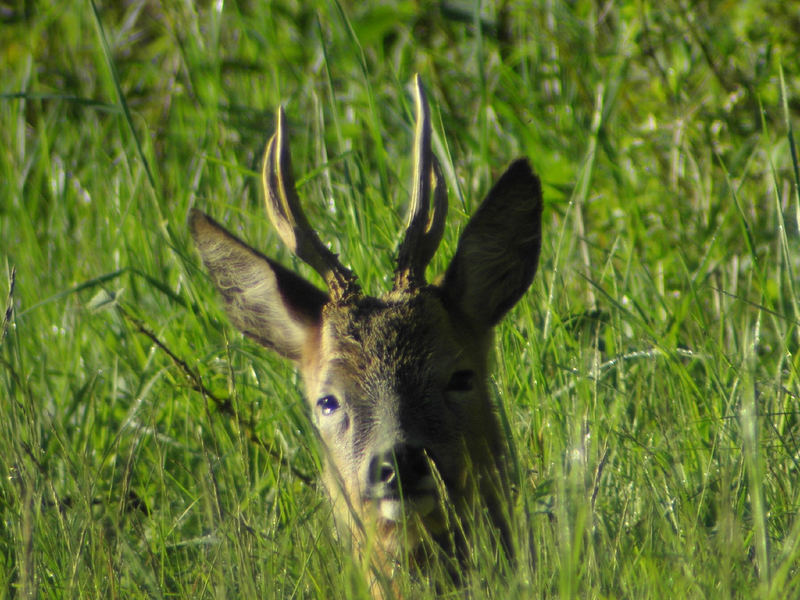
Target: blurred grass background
(649,379)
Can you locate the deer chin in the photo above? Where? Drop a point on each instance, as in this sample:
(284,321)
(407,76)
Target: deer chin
(403,524)
(396,510)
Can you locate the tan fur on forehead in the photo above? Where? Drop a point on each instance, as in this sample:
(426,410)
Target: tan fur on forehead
(401,326)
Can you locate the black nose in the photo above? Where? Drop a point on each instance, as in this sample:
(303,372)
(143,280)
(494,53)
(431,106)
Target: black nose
(396,471)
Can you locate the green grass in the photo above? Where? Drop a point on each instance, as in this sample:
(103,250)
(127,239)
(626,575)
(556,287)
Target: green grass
(649,378)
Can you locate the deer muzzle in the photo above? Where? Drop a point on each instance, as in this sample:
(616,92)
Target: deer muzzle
(400,484)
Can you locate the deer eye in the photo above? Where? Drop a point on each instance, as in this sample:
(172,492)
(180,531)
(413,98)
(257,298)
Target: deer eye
(461,381)
(328,404)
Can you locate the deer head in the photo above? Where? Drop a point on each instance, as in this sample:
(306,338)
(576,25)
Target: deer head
(396,385)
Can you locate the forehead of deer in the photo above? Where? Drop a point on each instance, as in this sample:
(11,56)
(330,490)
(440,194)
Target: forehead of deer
(408,327)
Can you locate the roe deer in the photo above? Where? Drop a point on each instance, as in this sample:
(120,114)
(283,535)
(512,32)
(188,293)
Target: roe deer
(396,385)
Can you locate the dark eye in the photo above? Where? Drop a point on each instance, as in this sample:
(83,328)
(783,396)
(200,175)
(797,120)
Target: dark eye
(328,404)
(461,381)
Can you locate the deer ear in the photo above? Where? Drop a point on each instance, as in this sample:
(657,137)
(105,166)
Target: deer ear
(264,300)
(498,250)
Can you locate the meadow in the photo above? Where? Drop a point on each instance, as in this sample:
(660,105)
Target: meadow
(648,382)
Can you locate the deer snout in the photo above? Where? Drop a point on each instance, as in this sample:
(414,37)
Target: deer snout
(400,472)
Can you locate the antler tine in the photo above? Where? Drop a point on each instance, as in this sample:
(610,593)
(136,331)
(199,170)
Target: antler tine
(422,237)
(283,207)
(435,229)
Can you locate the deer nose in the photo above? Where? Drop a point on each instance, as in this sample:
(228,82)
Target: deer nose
(397,470)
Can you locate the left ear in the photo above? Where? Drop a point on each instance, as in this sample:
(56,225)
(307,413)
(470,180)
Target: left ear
(265,301)
(498,250)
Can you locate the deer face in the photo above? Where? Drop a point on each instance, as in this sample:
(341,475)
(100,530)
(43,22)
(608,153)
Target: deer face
(398,396)
(396,385)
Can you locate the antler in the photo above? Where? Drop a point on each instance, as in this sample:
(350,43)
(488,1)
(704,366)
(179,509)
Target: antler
(283,206)
(422,235)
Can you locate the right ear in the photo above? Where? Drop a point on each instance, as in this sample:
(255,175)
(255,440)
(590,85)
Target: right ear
(264,300)
(498,251)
